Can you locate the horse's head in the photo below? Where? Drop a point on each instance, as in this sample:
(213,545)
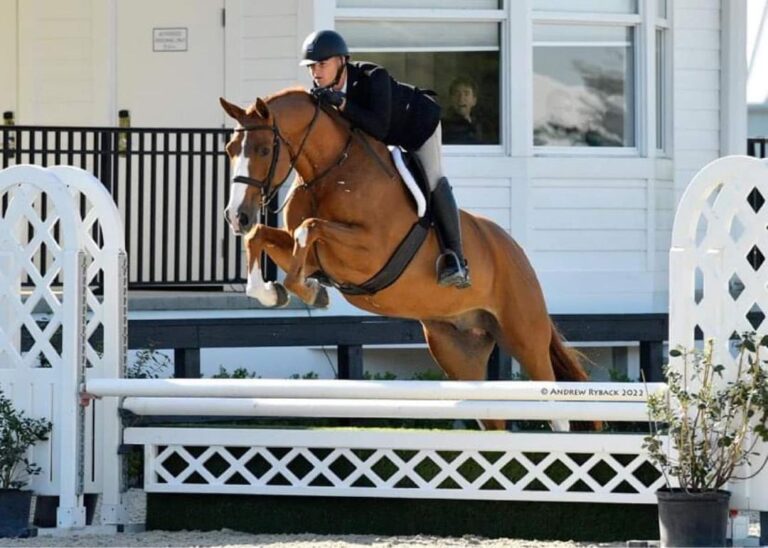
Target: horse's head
(259,166)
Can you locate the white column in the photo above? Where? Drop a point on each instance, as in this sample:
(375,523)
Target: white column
(733,77)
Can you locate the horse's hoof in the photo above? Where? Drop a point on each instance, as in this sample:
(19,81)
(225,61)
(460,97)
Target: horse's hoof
(282,295)
(322,300)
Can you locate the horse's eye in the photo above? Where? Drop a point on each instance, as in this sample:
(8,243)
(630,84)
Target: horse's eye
(264,151)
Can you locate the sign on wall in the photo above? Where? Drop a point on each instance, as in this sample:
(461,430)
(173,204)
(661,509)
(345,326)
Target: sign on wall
(169,39)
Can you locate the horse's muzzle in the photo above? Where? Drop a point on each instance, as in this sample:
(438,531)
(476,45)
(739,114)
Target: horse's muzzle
(241,222)
(235,222)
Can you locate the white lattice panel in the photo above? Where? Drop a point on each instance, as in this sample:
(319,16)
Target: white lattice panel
(718,275)
(60,231)
(405,464)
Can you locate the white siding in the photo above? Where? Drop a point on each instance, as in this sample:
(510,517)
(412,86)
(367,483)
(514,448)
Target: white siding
(586,225)
(488,198)
(696,88)
(268,46)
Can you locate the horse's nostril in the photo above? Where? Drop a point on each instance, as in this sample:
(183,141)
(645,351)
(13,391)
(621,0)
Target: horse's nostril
(242,218)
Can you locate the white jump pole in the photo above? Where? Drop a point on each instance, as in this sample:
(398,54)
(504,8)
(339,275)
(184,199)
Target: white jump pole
(389,409)
(380,390)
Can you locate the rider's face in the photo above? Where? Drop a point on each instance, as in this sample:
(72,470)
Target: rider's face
(324,72)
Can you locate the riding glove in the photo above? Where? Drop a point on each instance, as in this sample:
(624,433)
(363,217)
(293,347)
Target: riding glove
(328,96)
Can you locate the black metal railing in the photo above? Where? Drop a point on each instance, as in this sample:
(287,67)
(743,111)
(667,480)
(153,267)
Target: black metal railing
(757,147)
(170,186)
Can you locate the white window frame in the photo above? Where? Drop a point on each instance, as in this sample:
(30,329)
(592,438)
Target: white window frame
(517,19)
(645,23)
(499,16)
(664,24)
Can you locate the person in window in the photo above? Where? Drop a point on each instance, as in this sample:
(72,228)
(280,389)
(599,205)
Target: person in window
(460,125)
(398,114)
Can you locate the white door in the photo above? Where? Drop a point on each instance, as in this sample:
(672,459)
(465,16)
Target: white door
(170,62)
(8,64)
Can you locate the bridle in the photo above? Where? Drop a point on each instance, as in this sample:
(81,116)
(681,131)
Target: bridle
(267,186)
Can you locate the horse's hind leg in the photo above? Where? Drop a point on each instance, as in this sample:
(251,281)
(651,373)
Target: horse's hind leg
(463,355)
(542,355)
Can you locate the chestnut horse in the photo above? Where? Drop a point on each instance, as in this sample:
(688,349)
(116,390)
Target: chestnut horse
(348,211)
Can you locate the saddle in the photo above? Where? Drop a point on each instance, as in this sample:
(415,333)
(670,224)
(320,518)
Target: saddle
(415,179)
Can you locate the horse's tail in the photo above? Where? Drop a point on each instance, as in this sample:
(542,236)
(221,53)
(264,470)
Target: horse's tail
(566,362)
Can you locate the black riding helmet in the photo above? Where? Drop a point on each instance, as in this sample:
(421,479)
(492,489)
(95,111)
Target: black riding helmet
(322,45)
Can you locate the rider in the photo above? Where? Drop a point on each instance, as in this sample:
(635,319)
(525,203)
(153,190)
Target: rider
(397,114)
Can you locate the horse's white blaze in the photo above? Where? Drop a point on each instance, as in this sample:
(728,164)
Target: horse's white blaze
(242,162)
(256,288)
(237,193)
(236,199)
(301,235)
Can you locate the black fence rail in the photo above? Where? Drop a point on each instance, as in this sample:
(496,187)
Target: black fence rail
(757,147)
(170,186)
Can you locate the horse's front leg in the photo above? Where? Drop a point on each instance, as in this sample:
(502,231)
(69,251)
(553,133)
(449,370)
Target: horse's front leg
(305,235)
(278,244)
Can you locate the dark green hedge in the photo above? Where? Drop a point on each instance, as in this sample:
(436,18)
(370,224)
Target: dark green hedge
(590,522)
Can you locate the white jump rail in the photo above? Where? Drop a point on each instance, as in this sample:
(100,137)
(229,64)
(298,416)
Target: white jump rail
(389,409)
(520,400)
(363,390)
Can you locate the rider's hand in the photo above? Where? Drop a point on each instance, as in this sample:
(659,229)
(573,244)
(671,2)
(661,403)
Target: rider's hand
(328,96)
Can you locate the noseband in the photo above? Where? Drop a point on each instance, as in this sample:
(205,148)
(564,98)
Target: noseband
(268,189)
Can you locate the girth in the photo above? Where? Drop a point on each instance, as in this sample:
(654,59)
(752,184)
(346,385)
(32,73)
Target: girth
(400,258)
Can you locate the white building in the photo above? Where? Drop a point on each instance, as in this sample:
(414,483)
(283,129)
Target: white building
(596,112)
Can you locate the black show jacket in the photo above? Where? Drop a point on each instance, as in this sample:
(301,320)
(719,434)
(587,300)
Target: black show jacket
(396,113)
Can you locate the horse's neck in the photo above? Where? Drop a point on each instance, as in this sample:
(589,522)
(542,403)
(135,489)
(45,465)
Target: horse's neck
(324,147)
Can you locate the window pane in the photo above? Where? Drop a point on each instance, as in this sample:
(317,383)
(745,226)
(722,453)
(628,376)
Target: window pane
(660,106)
(583,89)
(379,35)
(597,6)
(422,4)
(471,113)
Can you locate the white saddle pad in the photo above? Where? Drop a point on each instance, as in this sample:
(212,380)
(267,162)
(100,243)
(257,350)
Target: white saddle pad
(410,182)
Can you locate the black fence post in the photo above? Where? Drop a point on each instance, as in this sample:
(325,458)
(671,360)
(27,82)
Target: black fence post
(499,365)
(652,360)
(350,361)
(106,158)
(186,363)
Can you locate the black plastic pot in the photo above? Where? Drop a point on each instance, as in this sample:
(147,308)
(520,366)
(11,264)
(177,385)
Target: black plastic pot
(14,512)
(692,518)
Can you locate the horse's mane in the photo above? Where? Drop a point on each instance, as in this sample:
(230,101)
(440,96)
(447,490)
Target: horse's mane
(295,90)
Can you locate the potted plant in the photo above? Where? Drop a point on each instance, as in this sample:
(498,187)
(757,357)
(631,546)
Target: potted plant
(712,426)
(17,434)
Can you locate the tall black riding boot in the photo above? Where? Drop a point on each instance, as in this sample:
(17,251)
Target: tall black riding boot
(451,266)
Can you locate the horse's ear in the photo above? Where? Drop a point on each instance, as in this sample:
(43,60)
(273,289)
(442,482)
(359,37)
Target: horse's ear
(233,110)
(261,108)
